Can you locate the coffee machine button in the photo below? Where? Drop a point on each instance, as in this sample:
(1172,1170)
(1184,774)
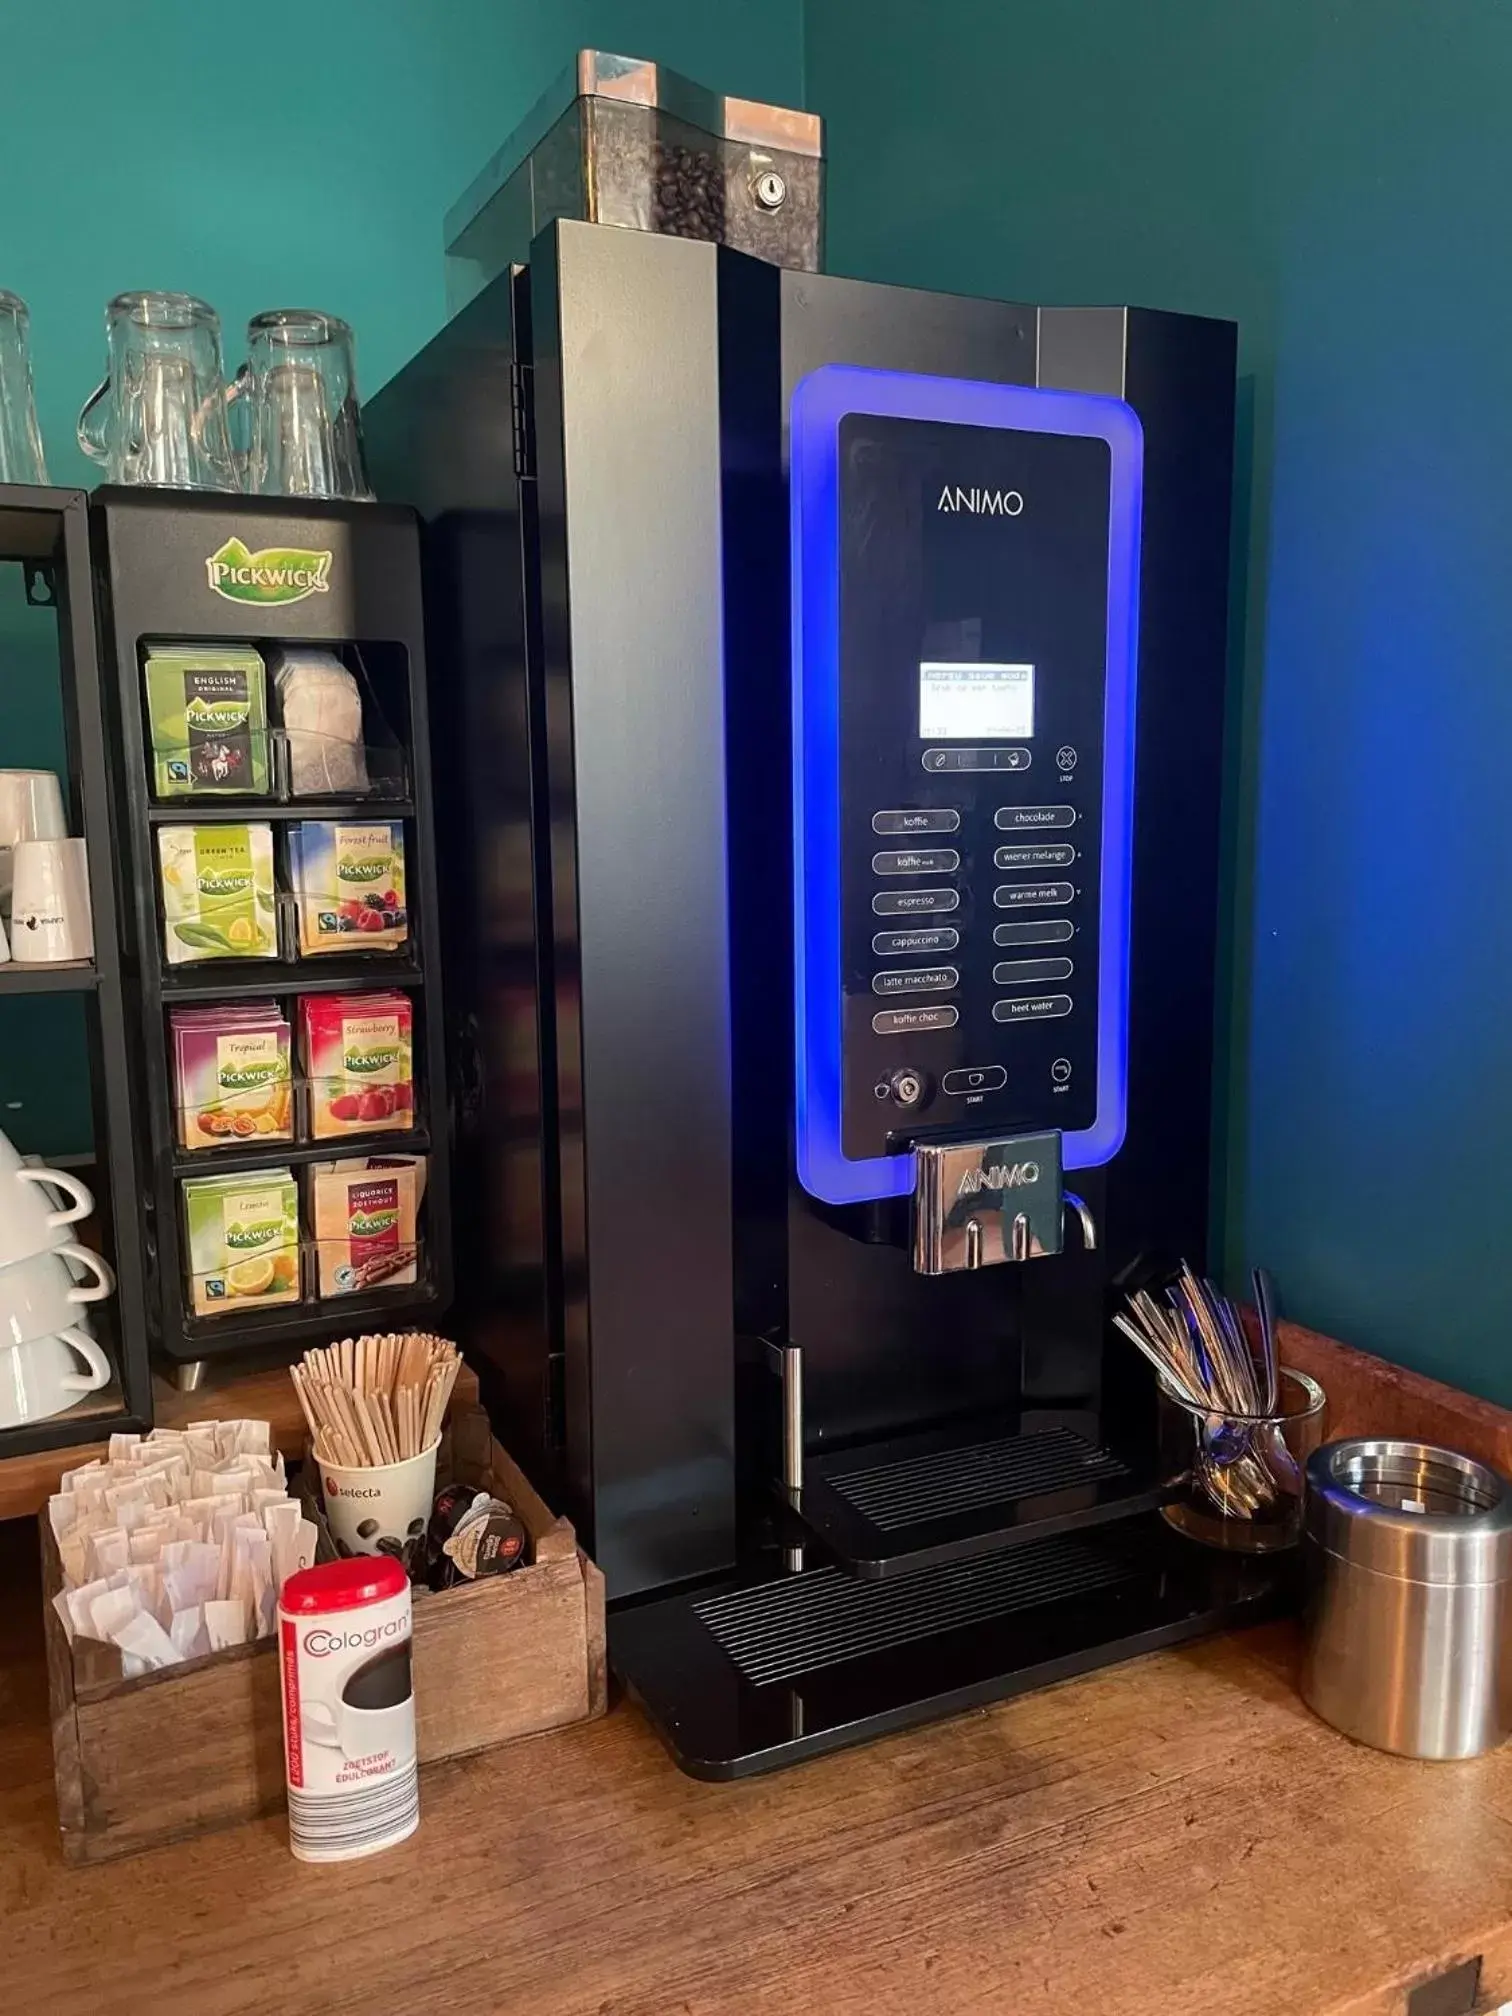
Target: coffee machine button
(1025,818)
(915,902)
(911,1021)
(1043,931)
(1033,1008)
(916,861)
(918,980)
(936,761)
(915,944)
(986,1078)
(908,1087)
(1029,972)
(1031,895)
(1058,854)
(922,819)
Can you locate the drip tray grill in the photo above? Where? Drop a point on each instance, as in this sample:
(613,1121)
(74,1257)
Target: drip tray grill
(778,1631)
(953,1494)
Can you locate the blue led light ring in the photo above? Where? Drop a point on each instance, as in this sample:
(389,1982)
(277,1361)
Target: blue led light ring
(820,402)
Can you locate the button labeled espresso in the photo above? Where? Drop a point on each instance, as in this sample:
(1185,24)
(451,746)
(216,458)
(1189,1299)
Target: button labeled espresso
(915,902)
(1027,895)
(1029,972)
(917,861)
(914,1021)
(1025,818)
(1033,1008)
(1043,931)
(1059,856)
(921,820)
(920,980)
(900,944)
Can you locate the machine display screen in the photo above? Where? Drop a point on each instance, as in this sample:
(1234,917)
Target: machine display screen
(975,701)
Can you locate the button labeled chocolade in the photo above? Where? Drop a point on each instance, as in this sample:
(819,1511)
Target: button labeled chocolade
(1060,855)
(914,1021)
(916,861)
(902,944)
(1024,818)
(921,820)
(916,980)
(986,1078)
(915,902)
(1028,895)
(1033,1008)
(1043,931)
(1029,972)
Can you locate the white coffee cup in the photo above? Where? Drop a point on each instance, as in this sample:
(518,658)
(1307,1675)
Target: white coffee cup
(40,1297)
(31,808)
(29,1220)
(42,1377)
(361,1732)
(50,913)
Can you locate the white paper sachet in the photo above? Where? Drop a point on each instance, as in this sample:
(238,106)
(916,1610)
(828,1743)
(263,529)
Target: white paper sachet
(225,1624)
(108,1551)
(122,1446)
(110,1611)
(145,1639)
(62,1513)
(190,1638)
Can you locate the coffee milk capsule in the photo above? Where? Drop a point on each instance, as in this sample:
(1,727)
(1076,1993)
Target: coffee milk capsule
(348,1708)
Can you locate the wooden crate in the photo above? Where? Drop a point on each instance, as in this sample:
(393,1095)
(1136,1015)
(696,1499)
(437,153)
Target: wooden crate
(198,1746)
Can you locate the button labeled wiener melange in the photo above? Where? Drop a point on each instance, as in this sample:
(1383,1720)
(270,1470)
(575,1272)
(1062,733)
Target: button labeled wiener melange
(923,819)
(1029,972)
(1025,818)
(1032,1008)
(916,980)
(914,1021)
(915,902)
(1060,855)
(916,861)
(915,944)
(1030,895)
(985,1078)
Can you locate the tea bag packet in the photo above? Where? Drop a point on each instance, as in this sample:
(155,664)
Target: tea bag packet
(218,892)
(320,705)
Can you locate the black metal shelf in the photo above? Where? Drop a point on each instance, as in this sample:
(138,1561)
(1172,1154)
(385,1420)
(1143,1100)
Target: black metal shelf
(918,1501)
(242,811)
(297,1154)
(250,979)
(72,977)
(46,531)
(151,548)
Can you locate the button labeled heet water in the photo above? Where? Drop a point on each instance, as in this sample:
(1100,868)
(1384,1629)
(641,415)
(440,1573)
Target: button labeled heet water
(1033,1008)
(1044,931)
(920,821)
(916,861)
(1059,856)
(919,980)
(899,944)
(915,902)
(1028,972)
(1024,818)
(914,1021)
(1028,895)
(989,1078)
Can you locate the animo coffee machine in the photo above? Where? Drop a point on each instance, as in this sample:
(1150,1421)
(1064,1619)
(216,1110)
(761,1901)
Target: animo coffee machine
(832,678)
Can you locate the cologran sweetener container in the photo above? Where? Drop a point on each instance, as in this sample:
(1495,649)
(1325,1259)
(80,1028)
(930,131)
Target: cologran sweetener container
(348,1708)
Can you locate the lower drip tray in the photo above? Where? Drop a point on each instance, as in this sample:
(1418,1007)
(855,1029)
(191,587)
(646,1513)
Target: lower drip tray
(754,1675)
(893,1507)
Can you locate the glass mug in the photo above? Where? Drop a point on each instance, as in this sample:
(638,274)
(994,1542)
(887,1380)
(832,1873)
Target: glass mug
(159,417)
(20,439)
(295,401)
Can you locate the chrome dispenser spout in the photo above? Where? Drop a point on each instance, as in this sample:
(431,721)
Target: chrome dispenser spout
(1071,1202)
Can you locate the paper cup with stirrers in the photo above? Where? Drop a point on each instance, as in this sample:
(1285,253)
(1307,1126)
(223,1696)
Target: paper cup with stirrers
(375,1408)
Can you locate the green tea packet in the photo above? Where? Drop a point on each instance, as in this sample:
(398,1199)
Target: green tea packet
(218,894)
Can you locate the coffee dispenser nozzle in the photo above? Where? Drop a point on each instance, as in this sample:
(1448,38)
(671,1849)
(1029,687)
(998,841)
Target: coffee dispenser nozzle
(978,1203)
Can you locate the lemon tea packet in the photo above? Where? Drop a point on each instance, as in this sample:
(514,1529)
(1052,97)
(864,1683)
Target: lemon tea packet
(218,894)
(243,1237)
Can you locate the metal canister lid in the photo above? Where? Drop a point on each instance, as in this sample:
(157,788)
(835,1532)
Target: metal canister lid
(1410,1510)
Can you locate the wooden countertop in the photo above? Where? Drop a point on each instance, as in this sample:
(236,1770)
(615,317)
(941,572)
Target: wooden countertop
(1174,1837)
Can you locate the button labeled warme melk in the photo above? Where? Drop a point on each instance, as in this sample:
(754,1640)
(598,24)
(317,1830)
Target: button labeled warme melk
(1029,895)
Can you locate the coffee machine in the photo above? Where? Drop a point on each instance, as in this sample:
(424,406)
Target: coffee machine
(831,677)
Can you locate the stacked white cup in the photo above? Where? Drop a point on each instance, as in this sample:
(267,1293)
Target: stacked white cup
(44,878)
(46,1282)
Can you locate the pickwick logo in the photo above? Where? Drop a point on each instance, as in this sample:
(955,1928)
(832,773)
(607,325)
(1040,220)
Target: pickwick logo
(277,574)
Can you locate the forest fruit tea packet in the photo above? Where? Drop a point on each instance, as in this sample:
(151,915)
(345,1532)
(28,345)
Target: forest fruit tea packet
(349,884)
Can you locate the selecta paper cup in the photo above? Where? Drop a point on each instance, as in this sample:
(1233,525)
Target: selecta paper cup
(381,1508)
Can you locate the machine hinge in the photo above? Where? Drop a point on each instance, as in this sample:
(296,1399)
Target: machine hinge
(522,417)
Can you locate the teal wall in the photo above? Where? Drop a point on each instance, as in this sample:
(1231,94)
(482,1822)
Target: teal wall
(1334,177)
(263,157)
